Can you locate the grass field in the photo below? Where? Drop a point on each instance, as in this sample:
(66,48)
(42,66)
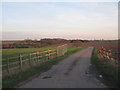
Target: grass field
(14,52)
(11,81)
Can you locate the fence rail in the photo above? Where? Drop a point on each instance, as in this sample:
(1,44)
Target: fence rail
(108,54)
(22,62)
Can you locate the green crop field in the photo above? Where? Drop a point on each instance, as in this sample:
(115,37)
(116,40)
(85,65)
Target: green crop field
(15,52)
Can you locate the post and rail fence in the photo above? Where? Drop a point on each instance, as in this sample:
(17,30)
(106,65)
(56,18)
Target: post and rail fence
(108,54)
(23,62)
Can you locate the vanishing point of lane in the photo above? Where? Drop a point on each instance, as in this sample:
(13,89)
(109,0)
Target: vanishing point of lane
(68,73)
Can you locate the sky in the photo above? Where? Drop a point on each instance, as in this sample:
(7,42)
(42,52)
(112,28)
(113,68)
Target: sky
(68,20)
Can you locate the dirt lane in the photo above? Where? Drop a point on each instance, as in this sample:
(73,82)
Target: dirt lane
(72,72)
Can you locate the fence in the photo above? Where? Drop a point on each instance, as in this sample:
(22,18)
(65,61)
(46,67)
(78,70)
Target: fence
(108,54)
(23,62)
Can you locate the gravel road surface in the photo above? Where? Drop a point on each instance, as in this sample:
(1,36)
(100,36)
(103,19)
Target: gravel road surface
(72,72)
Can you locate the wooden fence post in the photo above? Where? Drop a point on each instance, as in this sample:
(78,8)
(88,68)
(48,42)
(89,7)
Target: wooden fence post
(8,70)
(20,62)
(48,54)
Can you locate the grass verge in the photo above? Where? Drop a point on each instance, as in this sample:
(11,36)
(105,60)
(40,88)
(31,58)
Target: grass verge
(110,73)
(11,81)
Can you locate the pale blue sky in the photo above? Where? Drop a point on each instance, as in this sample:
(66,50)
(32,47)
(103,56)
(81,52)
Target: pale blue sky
(69,20)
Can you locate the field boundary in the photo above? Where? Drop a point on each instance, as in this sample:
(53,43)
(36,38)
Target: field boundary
(108,54)
(16,79)
(108,71)
(21,63)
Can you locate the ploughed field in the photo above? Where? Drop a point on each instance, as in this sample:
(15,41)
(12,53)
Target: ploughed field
(108,45)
